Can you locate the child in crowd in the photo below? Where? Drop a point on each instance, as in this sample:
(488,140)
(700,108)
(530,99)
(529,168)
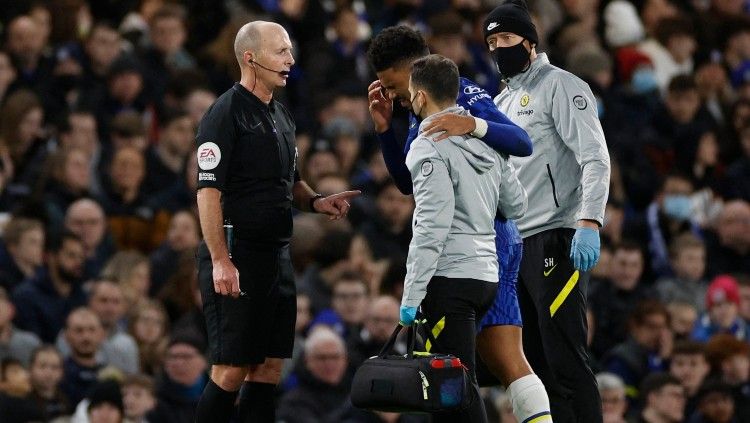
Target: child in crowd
(722,303)
(688,257)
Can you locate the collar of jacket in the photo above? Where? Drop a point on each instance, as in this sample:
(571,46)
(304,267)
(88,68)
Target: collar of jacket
(453,109)
(523,78)
(474,152)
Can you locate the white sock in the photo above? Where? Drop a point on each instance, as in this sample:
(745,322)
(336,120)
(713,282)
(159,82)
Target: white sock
(529,399)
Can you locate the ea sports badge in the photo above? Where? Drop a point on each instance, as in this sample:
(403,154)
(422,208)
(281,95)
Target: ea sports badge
(209,156)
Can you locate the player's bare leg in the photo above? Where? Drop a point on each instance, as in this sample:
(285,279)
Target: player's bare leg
(501,350)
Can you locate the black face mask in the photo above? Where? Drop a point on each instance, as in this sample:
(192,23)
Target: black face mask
(511,61)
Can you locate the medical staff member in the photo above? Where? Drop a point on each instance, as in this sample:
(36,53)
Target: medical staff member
(567,178)
(459,185)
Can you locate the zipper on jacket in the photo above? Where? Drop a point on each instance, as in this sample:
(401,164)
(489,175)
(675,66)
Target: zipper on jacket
(554,194)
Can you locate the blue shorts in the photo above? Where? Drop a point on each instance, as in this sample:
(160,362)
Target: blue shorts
(505,310)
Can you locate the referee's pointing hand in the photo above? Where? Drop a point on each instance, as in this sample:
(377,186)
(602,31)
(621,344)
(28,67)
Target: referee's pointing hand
(226,278)
(336,205)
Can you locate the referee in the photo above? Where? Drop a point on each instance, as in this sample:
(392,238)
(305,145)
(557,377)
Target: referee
(247,178)
(567,177)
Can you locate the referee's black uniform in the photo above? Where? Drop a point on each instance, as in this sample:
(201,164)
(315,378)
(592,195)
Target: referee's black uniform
(246,149)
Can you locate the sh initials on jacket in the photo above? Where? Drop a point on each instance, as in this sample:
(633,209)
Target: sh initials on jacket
(549,266)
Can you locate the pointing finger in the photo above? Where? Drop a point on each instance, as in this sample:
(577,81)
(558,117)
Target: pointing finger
(346,195)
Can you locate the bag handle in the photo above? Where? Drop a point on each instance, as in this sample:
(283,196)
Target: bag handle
(412,333)
(391,341)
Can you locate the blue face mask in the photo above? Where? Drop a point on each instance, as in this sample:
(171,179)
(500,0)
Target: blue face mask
(643,81)
(678,207)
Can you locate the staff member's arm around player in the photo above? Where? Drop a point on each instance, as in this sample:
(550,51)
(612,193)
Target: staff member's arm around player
(391,54)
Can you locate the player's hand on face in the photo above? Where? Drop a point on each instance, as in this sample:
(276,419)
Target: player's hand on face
(381,107)
(226,278)
(449,124)
(337,205)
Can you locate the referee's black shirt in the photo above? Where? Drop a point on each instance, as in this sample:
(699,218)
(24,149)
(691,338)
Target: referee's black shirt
(246,149)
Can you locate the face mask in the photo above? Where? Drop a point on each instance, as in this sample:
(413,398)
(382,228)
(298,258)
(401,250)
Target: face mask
(511,61)
(643,81)
(678,207)
(413,109)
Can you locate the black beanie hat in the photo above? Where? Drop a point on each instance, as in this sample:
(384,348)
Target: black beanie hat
(188,337)
(107,391)
(511,16)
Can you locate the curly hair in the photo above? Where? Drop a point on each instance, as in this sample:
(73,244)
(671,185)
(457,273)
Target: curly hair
(395,45)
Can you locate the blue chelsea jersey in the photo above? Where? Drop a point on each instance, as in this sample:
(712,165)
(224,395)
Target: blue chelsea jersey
(472,98)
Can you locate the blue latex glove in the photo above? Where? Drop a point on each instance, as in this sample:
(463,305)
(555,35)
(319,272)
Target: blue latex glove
(584,250)
(407,314)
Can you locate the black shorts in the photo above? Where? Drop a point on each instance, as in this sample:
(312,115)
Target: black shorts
(248,329)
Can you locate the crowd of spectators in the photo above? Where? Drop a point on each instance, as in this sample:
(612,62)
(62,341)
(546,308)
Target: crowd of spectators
(100,313)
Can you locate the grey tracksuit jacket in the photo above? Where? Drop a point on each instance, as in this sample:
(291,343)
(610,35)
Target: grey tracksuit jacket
(459,185)
(567,175)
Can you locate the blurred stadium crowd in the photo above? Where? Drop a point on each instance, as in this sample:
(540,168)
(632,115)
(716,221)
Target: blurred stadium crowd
(100,315)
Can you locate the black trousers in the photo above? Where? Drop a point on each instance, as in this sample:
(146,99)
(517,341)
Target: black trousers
(552,296)
(454,307)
